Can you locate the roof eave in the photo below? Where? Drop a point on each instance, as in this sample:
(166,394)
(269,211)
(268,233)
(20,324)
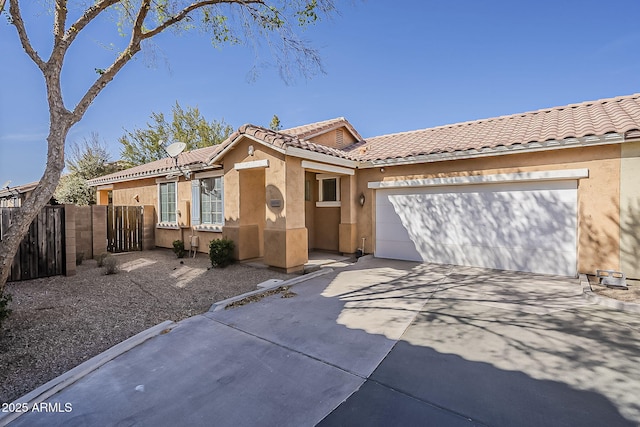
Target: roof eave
(213,161)
(320,157)
(531,147)
(151,174)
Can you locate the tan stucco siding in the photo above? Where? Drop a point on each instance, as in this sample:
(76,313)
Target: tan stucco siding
(598,195)
(145,192)
(294,196)
(334,139)
(124,193)
(326,227)
(310,207)
(265,207)
(630,210)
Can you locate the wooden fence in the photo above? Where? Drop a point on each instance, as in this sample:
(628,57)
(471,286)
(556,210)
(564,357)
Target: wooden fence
(42,250)
(124,228)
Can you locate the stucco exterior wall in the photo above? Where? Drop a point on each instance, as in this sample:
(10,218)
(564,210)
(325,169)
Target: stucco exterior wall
(265,207)
(334,139)
(630,210)
(144,192)
(598,195)
(310,207)
(327,221)
(246,198)
(266,212)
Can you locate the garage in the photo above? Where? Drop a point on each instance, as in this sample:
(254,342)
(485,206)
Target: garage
(522,221)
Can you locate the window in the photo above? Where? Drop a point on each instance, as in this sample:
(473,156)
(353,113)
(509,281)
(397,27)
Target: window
(207,201)
(168,202)
(329,191)
(211,202)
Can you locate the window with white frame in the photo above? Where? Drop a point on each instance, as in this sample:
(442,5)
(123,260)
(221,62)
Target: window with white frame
(328,190)
(167,202)
(207,201)
(211,201)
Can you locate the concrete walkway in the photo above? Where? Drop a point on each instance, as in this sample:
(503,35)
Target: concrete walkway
(377,343)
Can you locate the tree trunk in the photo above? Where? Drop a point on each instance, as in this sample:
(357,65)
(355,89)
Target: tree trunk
(59,126)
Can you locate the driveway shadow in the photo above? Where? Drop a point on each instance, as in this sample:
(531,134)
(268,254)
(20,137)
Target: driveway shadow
(418,385)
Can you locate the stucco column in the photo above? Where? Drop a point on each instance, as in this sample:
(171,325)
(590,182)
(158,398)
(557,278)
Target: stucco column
(349,204)
(285,234)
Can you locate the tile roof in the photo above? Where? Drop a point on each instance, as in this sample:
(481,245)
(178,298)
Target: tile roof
(159,167)
(281,139)
(614,115)
(620,115)
(313,129)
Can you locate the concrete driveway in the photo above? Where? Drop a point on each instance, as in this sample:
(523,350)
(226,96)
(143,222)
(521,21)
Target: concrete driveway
(377,343)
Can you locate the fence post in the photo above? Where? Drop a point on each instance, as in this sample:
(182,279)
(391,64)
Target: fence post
(70,239)
(99,229)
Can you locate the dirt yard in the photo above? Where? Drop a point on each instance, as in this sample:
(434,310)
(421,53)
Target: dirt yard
(59,322)
(629,295)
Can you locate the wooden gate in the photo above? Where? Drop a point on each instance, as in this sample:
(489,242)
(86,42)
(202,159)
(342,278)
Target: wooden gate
(124,228)
(41,252)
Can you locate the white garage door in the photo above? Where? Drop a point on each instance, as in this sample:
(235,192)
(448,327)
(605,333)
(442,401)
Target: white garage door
(526,226)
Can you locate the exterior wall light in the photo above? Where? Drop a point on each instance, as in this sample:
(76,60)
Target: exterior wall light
(250,150)
(362,199)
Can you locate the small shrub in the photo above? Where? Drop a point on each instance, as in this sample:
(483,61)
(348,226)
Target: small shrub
(221,252)
(178,248)
(110,265)
(5,298)
(100,258)
(79,257)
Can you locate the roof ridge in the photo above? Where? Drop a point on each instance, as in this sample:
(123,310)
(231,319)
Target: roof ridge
(336,119)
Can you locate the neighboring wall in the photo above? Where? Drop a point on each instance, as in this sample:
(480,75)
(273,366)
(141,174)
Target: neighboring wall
(598,195)
(630,210)
(91,230)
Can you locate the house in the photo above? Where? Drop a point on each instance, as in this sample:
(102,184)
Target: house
(13,197)
(553,191)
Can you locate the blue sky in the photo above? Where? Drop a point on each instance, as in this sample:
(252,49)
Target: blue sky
(390,67)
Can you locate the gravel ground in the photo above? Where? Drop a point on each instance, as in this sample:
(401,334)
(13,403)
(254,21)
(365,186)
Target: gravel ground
(628,295)
(59,322)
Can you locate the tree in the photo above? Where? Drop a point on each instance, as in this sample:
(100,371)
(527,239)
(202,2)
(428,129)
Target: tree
(275,123)
(227,21)
(88,160)
(73,190)
(189,126)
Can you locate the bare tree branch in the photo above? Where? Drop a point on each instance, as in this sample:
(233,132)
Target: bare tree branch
(89,15)
(107,76)
(16,20)
(268,19)
(142,15)
(59,20)
(197,5)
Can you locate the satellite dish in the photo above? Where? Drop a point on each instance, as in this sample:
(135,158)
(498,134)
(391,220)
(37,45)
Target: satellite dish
(6,184)
(175,149)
